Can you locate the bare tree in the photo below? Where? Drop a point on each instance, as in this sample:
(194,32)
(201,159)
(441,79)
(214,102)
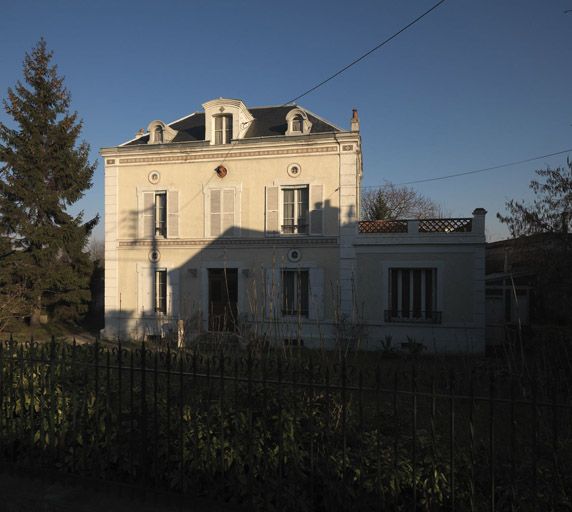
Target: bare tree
(551,209)
(96,250)
(392,201)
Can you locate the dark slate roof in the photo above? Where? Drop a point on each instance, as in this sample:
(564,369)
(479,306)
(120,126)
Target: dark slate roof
(268,122)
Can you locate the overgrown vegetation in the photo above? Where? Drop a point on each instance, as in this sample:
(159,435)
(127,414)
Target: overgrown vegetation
(289,429)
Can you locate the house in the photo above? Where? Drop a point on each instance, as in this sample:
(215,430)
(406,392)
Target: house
(527,286)
(247,218)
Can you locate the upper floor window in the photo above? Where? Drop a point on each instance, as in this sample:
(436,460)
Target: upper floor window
(223,129)
(159,216)
(161,213)
(222,212)
(297,124)
(158,134)
(295,210)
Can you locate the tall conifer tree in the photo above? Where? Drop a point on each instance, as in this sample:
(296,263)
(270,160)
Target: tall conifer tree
(43,171)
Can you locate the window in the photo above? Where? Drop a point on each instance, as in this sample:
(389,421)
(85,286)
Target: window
(295,210)
(222,222)
(223,129)
(158,134)
(160,296)
(160,214)
(297,124)
(412,295)
(295,284)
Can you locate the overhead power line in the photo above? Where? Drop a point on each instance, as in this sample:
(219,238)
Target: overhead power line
(485,169)
(353,63)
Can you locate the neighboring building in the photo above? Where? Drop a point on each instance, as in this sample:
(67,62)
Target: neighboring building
(527,285)
(247,219)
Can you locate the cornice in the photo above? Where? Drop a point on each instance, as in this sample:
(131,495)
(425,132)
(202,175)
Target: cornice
(232,242)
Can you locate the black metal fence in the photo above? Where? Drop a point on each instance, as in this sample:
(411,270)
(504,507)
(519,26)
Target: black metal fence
(276,431)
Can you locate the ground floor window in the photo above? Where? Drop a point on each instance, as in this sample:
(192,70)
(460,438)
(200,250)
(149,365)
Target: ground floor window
(413,295)
(295,292)
(160,300)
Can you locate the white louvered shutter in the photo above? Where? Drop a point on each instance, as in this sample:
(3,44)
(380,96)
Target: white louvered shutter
(215,212)
(272,216)
(316,294)
(172,214)
(272,303)
(146,280)
(228,221)
(147,216)
(316,209)
(173,293)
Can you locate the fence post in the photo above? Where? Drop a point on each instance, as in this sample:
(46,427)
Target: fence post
(2,415)
(452,435)
(492,457)
(53,398)
(535,437)
(414,435)
(143,453)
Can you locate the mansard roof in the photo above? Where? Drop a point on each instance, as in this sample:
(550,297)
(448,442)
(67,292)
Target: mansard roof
(268,122)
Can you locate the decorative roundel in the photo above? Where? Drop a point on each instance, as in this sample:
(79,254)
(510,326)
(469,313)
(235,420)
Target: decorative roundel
(154,255)
(294,255)
(294,170)
(221,171)
(154,177)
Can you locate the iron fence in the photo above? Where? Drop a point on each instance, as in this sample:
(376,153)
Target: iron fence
(300,431)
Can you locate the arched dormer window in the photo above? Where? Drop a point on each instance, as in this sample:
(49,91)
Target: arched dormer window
(158,134)
(298,122)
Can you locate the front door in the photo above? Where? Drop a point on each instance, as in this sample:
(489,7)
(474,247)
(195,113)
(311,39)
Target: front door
(223,296)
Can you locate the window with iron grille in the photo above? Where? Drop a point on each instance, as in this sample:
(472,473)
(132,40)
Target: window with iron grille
(295,210)
(295,292)
(413,295)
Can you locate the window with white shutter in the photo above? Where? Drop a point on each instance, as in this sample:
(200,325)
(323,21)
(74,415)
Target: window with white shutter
(159,214)
(222,214)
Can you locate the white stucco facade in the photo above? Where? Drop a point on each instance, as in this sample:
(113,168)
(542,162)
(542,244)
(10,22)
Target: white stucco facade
(268,198)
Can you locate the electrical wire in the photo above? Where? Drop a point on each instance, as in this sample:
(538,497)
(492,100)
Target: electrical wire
(353,63)
(476,171)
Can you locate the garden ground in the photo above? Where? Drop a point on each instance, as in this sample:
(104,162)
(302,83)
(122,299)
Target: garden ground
(25,494)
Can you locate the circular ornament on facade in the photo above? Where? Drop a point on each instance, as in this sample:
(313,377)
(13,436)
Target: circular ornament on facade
(154,177)
(294,170)
(221,171)
(154,255)
(294,255)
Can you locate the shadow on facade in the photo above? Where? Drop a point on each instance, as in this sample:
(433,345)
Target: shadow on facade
(245,282)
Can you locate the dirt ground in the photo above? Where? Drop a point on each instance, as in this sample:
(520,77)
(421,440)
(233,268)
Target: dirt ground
(20,493)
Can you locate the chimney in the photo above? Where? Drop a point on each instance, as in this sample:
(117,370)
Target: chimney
(140,132)
(355,121)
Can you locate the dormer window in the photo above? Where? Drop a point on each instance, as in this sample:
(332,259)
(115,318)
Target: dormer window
(158,134)
(298,122)
(223,129)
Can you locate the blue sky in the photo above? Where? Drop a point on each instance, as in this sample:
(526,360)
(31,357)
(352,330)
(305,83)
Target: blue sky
(474,84)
